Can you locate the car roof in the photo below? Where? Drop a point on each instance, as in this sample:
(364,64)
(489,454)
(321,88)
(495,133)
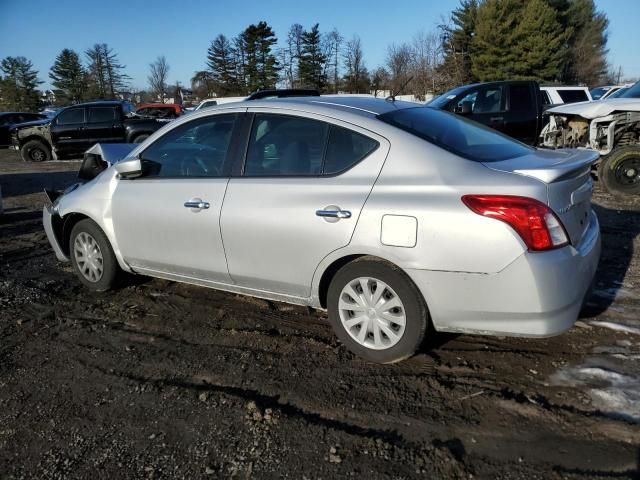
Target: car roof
(363,106)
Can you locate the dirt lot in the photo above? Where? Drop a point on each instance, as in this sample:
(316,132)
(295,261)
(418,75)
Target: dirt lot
(162,380)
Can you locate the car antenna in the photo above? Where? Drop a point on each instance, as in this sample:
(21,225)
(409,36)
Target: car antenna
(393,95)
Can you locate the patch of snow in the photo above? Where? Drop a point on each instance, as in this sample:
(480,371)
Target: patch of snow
(616,326)
(613,393)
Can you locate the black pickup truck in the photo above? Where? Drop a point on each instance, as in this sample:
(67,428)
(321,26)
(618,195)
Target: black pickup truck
(74,129)
(512,107)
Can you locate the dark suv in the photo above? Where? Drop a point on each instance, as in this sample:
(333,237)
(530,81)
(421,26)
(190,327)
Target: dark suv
(74,129)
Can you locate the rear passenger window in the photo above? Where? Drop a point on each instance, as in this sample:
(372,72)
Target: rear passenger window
(345,149)
(101,114)
(520,98)
(572,96)
(282,145)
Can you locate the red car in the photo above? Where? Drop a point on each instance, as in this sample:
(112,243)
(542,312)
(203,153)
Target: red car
(160,110)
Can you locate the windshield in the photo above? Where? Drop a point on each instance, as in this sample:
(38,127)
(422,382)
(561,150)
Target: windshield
(598,92)
(442,100)
(633,92)
(463,137)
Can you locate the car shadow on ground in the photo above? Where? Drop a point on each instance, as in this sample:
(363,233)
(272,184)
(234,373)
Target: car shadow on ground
(619,230)
(14,184)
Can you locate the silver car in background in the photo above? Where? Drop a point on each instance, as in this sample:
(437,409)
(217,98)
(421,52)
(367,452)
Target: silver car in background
(393,217)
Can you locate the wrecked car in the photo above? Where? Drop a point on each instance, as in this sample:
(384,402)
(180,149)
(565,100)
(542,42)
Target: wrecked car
(611,127)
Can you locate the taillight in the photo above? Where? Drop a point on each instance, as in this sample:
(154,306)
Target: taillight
(535,222)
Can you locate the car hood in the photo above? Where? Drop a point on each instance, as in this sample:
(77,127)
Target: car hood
(33,123)
(111,152)
(598,108)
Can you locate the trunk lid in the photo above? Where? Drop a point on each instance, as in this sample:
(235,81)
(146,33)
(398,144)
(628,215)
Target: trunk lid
(567,174)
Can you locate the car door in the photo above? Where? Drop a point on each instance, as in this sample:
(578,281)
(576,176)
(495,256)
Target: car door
(522,116)
(297,198)
(6,121)
(68,131)
(104,125)
(167,221)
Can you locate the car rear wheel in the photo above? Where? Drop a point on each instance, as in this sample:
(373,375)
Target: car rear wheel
(92,256)
(35,151)
(377,311)
(620,171)
(140,138)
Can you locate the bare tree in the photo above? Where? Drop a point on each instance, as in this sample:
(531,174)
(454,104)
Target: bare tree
(356,76)
(158,74)
(331,44)
(426,57)
(399,63)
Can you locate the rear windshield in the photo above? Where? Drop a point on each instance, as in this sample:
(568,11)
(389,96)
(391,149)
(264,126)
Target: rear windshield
(572,96)
(459,135)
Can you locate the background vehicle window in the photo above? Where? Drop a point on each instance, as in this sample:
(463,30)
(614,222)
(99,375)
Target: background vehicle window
(572,96)
(489,100)
(546,100)
(102,114)
(345,149)
(520,98)
(74,115)
(194,149)
(285,145)
(142,111)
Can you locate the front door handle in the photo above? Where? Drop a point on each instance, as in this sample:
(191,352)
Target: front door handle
(197,204)
(333,213)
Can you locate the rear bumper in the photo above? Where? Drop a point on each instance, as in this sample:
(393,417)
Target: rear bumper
(47,221)
(538,295)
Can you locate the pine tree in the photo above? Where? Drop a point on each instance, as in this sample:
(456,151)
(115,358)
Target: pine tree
(261,65)
(18,88)
(539,44)
(69,77)
(312,60)
(457,43)
(221,63)
(106,77)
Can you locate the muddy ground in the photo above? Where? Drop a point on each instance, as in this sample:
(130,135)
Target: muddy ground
(163,380)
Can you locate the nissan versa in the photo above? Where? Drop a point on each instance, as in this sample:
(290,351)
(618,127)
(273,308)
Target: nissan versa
(393,217)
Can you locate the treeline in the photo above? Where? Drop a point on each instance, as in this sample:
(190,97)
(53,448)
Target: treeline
(101,76)
(552,41)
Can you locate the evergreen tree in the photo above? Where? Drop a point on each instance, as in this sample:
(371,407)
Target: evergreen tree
(69,77)
(457,43)
(221,63)
(312,60)
(260,65)
(106,76)
(18,88)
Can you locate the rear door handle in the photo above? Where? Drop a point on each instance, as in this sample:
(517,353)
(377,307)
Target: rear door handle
(197,204)
(333,213)
(496,119)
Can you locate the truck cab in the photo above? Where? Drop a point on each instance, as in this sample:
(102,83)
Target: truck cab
(511,107)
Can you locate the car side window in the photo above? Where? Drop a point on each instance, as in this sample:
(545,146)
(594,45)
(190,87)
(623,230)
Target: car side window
(520,98)
(346,148)
(283,145)
(489,100)
(546,100)
(572,96)
(195,149)
(102,114)
(71,116)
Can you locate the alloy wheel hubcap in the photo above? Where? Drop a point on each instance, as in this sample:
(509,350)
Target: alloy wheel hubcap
(37,155)
(88,257)
(372,313)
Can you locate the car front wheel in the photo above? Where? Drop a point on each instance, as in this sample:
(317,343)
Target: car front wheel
(92,256)
(35,151)
(620,171)
(377,311)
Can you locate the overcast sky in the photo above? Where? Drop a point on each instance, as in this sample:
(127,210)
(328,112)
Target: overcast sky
(139,31)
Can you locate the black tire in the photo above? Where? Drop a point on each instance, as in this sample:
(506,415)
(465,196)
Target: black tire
(35,151)
(141,138)
(415,309)
(109,264)
(619,171)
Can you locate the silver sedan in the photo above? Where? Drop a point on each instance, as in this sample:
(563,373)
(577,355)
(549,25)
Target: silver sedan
(397,219)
